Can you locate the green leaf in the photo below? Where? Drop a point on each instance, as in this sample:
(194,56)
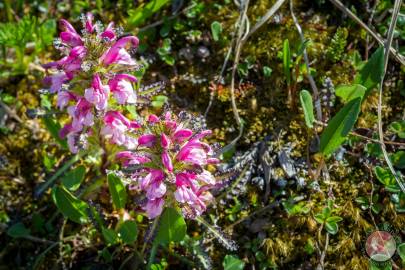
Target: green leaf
(267,71)
(339,126)
(371,73)
(307,106)
(287,61)
(128,231)
(350,92)
(401,251)
(386,178)
(18,230)
(232,263)
(326,212)
(373,265)
(110,236)
(74,178)
(398,127)
(172,227)
(117,191)
(53,128)
(216,30)
(140,14)
(334,219)
(159,101)
(70,206)
(331,227)
(398,159)
(319,218)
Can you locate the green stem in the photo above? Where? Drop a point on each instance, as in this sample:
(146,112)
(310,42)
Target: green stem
(154,225)
(152,255)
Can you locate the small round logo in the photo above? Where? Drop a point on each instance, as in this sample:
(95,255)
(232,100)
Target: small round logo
(380,246)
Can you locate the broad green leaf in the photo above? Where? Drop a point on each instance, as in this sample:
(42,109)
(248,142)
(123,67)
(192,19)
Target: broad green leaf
(18,230)
(339,126)
(53,128)
(398,159)
(140,14)
(350,92)
(110,236)
(386,178)
(172,227)
(334,219)
(307,106)
(399,128)
(331,227)
(371,73)
(128,231)
(401,251)
(117,191)
(216,30)
(70,206)
(232,263)
(287,61)
(74,178)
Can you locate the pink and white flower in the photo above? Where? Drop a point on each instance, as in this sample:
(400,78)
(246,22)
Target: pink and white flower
(122,89)
(98,93)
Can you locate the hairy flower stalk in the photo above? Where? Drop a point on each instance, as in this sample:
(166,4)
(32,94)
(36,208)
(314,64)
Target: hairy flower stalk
(171,166)
(92,82)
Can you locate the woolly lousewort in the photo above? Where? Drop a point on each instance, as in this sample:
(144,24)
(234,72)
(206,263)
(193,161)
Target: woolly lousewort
(170,166)
(93,70)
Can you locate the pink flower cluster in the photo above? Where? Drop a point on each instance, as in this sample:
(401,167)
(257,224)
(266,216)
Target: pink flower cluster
(92,82)
(91,71)
(171,165)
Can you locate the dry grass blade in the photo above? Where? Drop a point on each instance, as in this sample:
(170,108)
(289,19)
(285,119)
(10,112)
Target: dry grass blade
(387,46)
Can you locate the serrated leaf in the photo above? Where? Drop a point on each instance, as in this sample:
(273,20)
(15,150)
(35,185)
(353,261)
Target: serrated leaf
(172,227)
(74,178)
(117,191)
(128,231)
(18,230)
(331,227)
(308,107)
(287,61)
(398,159)
(216,30)
(387,179)
(70,206)
(370,74)
(339,127)
(399,128)
(232,263)
(350,92)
